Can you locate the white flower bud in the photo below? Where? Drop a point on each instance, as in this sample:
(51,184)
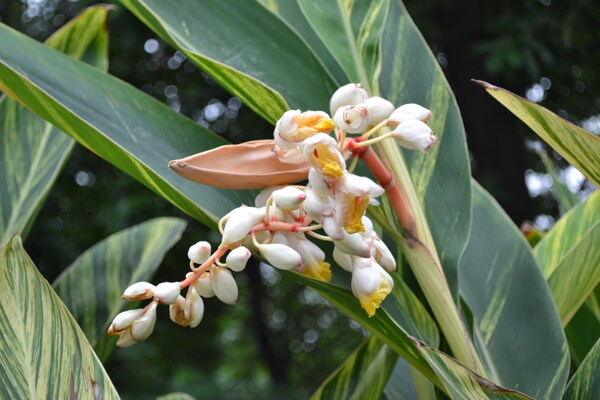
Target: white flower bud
(199,252)
(193,307)
(379,109)
(384,256)
(350,94)
(332,227)
(317,183)
(177,312)
(409,111)
(204,285)
(123,321)
(139,291)
(239,223)
(342,259)
(237,258)
(352,119)
(280,256)
(142,327)
(224,285)
(415,135)
(263,196)
(167,292)
(354,245)
(126,340)
(289,197)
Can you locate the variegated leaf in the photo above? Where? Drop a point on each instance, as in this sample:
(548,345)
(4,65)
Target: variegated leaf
(565,198)
(578,146)
(585,383)
(43,352)
(32,151)
(105,270)
(570,257)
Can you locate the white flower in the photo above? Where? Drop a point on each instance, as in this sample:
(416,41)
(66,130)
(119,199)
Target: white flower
(354,245)
(280,256)
(167,292)
(294,127)
(409,111)
(370,284)
(379,109)
(123,321)
(237,258)
(350,94)
(139,291)
(383,255)
(224,285)
(313,258)
(199,252)
(352,119)
(193,307)
(415,135)
(261,199)
(343,260)
(177,313)
(239,223)
(142,327)
(322,153)
(126,340)
(289,197)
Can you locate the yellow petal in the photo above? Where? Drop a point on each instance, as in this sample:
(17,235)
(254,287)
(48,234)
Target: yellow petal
(371,302)
(320,270)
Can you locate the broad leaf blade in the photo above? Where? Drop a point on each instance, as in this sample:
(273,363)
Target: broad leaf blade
(352,33)
(511,304)
(32,150)
(578,146)
(585,384)
(411,74)
(564,197)
(264,62)
(44,354)
(570,257)
(129,256)
(129,129)
(363,375)
(462,383)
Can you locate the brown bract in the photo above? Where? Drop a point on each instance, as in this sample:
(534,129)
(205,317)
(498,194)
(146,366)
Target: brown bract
(250,165)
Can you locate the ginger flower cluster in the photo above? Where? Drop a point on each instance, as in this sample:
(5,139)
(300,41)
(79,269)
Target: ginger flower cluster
(285,221)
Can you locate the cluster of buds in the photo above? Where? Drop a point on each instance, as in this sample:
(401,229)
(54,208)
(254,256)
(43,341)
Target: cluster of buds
(285,220)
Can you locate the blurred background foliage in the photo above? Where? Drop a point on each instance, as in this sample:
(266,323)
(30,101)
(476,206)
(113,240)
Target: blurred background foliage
(281,337)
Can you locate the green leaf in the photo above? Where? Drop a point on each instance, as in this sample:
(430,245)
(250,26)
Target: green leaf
(585,384)
(176,396)
(44,354)
(391,331)
(462,383)
(565,198)
(363,375)
(582,333)
(352,33)
(569,256)
(32,150)
(402,385)
(411,74)
(129,129)
(264,62)
(105,270)
(502,285)
(578,146)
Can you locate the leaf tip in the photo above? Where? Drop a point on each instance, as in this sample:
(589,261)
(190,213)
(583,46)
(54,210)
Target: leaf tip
(486,86)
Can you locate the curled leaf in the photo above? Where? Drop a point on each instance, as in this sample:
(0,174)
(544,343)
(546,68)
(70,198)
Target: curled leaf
(249,165)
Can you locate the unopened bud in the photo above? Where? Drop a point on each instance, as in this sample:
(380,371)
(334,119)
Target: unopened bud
(237,258)
(350,94)
(139,291)
(352,119)
(384,256)
(142,327)
(238,225)
(415,135)
(126,340)
(177,312)
(193,307)
(409,111)
(379,109)
(123,321)
(199,252)
(204,285)
(280,256)
(354,245)
(342,259)
(224,285)
(289,197)
(167,292)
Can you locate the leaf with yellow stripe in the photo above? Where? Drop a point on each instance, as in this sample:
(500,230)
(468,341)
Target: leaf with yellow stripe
(570,257)
(32,151)
(578,146)
(585,383)
(363,375)
(105,270)
(131,130)
(351,31)
(564,197)
(462,383)
(43,353)
(516,328)
(245,48)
